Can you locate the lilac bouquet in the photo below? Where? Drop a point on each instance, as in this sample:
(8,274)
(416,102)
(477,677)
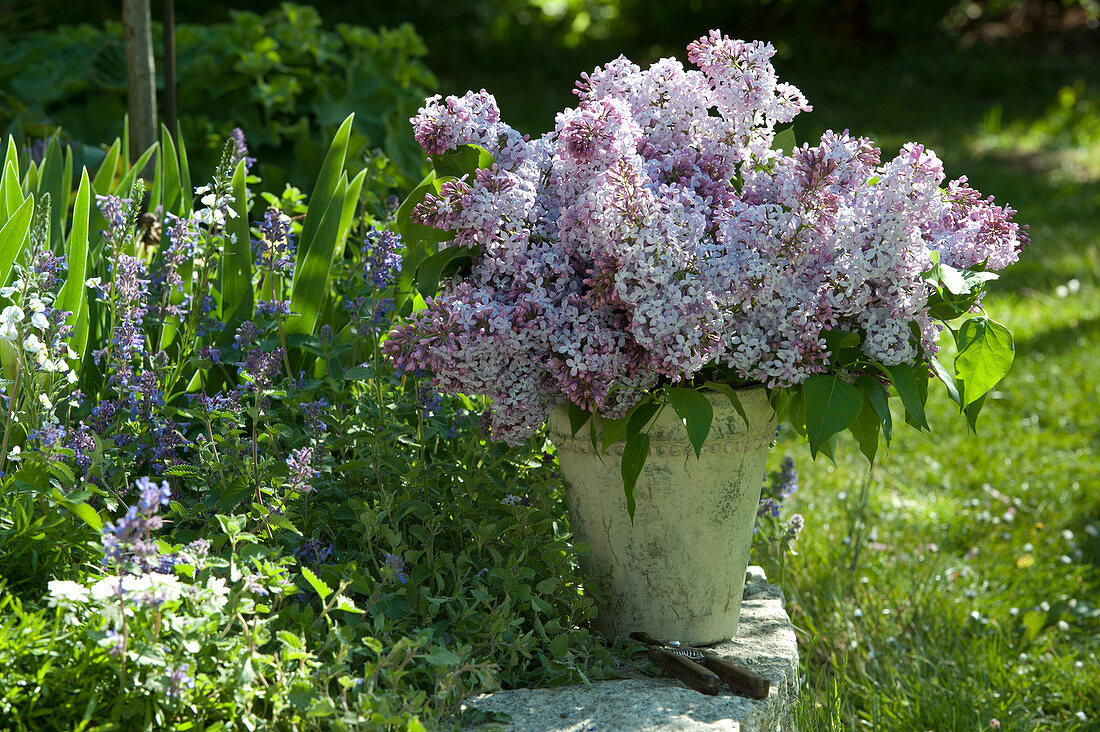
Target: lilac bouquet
(656,242)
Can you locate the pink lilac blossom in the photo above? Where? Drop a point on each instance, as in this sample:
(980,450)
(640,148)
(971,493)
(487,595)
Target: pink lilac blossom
(654,232)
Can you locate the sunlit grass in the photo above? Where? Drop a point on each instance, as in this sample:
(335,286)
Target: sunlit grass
(966,588)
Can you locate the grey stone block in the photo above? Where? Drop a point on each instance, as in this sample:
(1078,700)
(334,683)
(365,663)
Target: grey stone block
(765,643)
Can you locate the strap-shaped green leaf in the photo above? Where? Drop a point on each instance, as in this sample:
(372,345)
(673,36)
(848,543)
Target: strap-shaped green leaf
(831,405)
(635,453)
(51,180)
(105,175)
(695,413)
(328,179)
(127,182)
(14,235)
(985,355)
(186,191)
(11,191)
(908,384)
(74,294)
(311,277)
(236,261)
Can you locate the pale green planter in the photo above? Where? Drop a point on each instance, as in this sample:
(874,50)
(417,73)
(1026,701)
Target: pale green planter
(678,572)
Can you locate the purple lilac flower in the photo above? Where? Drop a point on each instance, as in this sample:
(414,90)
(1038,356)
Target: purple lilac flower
(301,470)
(381,262)
(396,565)
(614,252)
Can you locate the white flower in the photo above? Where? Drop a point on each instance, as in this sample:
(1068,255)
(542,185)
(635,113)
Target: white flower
(45,401)
(12,314)
(14,453)
(40,321)
(72,377)
(37,305)
(70,351)
(65,593)
(16,286)
(93,282)
(8,332)
(219,593)
(32,344)
(202,189)
(62,365)
(49,366)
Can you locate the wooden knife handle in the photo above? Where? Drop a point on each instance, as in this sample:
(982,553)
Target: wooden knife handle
(691,673)
(738,677)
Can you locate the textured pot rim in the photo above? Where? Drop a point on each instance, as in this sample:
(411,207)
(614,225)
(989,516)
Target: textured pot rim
(762,436)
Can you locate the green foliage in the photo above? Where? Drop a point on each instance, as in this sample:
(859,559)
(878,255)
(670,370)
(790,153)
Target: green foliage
(281,77)
(343,549)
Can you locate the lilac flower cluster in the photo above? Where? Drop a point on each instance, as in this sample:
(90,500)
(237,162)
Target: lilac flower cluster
(654,232)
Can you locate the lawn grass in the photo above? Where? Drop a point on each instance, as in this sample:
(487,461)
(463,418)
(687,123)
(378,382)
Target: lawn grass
(965,588)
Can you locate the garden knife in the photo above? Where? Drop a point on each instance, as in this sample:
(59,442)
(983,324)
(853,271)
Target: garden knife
(739,678)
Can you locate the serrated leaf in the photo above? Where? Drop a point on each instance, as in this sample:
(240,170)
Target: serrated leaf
(316,583)
(831,404)
(442,657)
(695,413)
(986,351)
(345,604)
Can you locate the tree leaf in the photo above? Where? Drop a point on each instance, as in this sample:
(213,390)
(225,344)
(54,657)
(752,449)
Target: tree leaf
(907,384)
(866,427)
(985,355)
(695,413)
(948,380)
(443,262)
(464,160)
(735,400)
(784,140)
(414,230)
(577,417)
(876,395)
(635,453)
(831,404)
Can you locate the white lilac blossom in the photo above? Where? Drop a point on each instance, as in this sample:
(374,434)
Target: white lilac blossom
(654,232)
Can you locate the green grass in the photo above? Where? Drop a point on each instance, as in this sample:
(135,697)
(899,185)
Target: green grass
(966,587)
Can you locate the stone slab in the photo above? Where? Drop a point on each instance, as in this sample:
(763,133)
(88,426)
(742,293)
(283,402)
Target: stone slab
(765,643)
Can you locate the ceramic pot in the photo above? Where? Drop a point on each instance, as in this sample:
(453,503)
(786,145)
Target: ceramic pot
(677,572)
